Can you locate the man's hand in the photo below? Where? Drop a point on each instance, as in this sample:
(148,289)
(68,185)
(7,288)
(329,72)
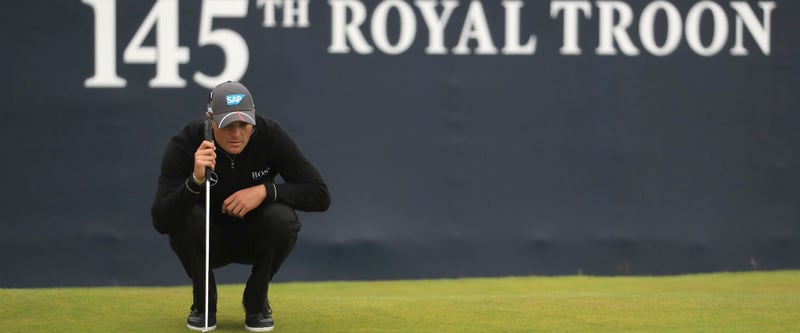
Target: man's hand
(244,200)
(204,157)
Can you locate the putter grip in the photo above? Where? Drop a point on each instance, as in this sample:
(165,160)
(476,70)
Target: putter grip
(208,136)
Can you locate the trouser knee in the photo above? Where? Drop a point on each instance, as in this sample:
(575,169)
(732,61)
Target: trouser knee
(280,219)
(277,221)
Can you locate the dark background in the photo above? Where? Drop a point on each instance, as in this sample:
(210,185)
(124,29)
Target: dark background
(438,165)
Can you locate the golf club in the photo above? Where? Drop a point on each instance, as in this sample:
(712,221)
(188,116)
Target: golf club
(208,135)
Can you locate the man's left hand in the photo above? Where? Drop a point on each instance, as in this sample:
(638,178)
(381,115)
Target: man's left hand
(244,200)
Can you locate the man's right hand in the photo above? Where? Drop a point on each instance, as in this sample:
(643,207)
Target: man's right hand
(204,157)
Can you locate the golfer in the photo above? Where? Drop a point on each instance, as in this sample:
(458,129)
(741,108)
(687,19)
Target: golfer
(253,220)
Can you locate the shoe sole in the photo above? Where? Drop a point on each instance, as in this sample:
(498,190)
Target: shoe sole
(258,329)
(201,329)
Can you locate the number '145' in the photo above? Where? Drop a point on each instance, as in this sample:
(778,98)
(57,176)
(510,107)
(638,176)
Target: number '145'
(167,54)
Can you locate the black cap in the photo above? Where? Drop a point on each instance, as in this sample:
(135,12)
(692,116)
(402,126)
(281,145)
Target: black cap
(231,102)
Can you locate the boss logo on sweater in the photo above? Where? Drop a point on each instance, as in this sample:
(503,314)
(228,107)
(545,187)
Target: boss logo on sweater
(259,174)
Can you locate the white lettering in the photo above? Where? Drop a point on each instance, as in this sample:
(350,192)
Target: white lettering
(166,54)
(291,9)
(475,28)
(512,45)
(408,26)
(269,11)
(611,32)
(105,46)
(237,55)
(435,23)
(343,31)
(570,9)
(761,32)
(674,28)
(616,16)
(614,22)
(693,28)
(258,174)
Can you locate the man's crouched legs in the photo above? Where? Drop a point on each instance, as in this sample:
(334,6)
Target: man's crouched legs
(263,239)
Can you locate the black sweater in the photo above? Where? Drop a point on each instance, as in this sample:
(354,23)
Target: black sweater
(269,152)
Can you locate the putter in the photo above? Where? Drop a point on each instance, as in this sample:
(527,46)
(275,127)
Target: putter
(209,137)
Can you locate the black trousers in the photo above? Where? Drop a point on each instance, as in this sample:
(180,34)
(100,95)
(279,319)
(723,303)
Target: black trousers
(263,239)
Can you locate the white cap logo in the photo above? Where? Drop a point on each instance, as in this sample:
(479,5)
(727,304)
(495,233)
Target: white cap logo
(233,99)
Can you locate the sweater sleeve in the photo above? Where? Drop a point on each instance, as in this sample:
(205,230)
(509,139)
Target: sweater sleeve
(304,188)
(177,192)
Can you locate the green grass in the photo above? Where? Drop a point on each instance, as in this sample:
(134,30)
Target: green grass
(723,302)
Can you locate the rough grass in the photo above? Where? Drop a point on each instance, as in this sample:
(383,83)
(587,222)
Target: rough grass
(722,302)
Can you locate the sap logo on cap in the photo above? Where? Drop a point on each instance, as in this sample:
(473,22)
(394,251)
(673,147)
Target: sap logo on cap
(234,99)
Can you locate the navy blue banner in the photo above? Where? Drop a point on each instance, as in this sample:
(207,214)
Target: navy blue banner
(458,138)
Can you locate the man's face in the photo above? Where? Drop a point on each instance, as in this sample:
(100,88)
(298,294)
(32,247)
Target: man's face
(234,137)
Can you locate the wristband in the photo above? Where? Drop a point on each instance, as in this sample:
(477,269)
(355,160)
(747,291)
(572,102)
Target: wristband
(196,181)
